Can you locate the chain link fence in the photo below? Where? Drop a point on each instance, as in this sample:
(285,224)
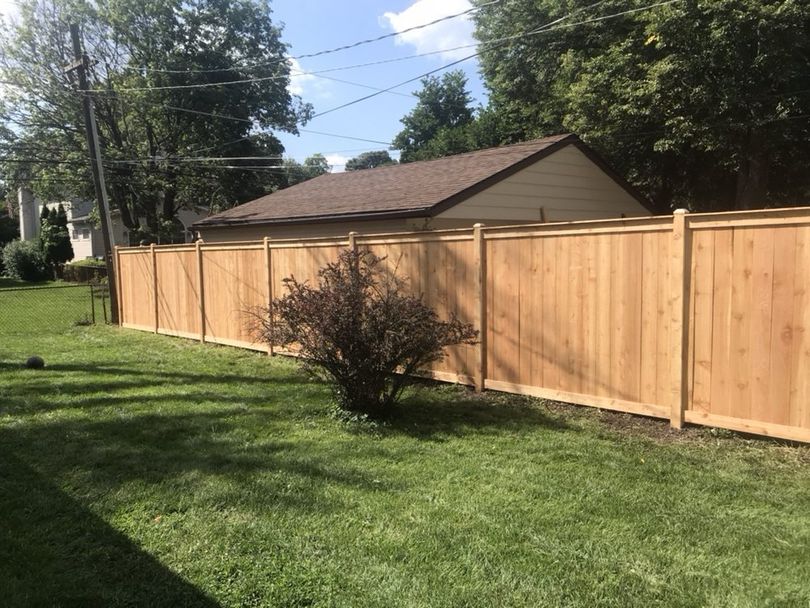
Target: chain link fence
(29,310)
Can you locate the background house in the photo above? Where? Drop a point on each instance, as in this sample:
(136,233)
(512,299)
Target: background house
(85,236)
(552,179)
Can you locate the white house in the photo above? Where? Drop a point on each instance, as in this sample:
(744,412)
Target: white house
(85,237)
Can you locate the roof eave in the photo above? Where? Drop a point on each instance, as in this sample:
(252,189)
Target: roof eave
(332,218)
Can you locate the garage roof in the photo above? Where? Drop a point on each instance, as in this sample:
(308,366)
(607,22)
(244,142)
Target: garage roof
(418,189)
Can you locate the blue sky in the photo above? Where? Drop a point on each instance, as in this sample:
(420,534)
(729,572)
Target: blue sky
(314,25)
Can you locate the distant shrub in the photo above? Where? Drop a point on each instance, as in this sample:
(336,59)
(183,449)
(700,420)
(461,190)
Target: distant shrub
(8,232)
(361,330)
(84,271)
(25,261)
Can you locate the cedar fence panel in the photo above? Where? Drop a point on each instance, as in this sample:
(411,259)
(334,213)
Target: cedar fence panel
(441,270)
(699,318)
(234,283)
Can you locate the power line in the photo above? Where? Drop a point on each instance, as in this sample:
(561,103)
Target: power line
(544,28)
(354,84)
(317,53)
(404,82)
(496,42)
(247,120)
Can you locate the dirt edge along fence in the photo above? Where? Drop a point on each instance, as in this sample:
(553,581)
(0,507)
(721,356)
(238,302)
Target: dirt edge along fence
(695,318)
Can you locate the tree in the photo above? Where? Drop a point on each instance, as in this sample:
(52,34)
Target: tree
(148,46)
(23,260)
(370,160)
(54,239)
(9,230)
(697,102)
(360,330)
(313,166)
(436,126)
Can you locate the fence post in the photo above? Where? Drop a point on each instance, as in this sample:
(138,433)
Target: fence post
(353,240)
(201,287)
(154,283)
(118,282)
(481,312)
(92,304)
(268,268)
(681,266)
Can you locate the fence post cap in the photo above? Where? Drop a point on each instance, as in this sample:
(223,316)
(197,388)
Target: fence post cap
(478,225)
(680,211)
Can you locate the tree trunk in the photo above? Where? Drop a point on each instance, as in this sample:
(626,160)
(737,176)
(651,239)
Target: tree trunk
(752,176)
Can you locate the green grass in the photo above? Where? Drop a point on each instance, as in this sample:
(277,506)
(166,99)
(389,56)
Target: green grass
(139,470)
(50,306)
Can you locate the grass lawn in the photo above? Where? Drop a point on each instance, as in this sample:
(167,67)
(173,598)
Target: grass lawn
(140,470)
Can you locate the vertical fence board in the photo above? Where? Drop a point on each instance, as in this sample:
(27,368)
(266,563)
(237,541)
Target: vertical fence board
(604,295)
(741,296)
(784,265)
(800,357)
(649,318)
(761,316)
(721,322)
(550,329)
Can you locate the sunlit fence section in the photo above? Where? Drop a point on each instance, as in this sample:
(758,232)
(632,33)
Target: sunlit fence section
(695,318)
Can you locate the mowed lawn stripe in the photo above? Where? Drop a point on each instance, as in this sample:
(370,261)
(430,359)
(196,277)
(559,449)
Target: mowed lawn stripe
(146,470)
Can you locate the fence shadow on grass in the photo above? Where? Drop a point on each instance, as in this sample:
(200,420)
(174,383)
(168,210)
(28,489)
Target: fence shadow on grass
(55,552)
(435,411)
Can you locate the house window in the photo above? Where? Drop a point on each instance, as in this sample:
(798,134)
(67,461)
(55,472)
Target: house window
(75,234)
(85,233)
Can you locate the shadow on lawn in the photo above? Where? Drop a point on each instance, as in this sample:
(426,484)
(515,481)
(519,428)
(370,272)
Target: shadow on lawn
(229,444)
(54,552)
(141,373)
(436,411)
(71,387)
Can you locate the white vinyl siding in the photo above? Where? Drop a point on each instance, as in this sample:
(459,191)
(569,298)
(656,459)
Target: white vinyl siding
(566,184)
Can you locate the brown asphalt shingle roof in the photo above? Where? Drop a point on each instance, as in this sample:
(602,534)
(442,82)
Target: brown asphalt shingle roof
(415,189)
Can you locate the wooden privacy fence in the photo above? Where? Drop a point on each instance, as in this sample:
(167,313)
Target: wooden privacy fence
(697,318)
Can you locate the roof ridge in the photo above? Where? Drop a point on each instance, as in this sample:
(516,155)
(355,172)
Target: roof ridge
(493,149)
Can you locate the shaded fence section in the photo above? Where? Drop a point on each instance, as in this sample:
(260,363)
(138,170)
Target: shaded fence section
(695,318)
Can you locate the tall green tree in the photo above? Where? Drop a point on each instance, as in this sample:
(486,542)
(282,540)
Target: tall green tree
(148,46)
(296,172)
(437,125)
(370,160)
(701,103)
(54,238)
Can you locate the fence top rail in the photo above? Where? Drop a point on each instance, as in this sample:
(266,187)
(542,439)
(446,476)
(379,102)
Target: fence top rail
(659,222)
(761,216)
(175,248)
(428,237)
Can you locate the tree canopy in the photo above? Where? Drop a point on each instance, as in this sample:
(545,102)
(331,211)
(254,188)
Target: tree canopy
(436,126)
(701,103)
(296,172)
(138,48)
(370,160)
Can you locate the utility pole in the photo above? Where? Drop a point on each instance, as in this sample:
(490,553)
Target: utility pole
(80,65)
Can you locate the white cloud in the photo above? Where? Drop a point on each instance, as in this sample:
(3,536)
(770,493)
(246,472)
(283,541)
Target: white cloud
(306,85)
(444,35)
(337,162)
(298,81)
